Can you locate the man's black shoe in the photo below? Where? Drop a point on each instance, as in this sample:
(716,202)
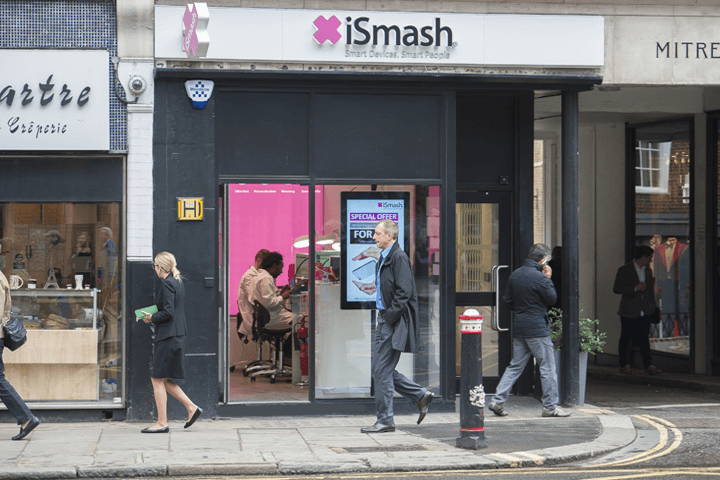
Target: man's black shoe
(378,428)
(423,405)
(24,432)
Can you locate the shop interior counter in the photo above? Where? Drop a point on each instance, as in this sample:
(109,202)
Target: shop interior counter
(60,359)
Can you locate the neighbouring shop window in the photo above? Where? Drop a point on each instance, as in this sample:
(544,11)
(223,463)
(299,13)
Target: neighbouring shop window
(662,221)
(64,259)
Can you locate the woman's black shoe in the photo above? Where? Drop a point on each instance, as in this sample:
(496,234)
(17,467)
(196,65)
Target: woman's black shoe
(24,432)
(165,429)
(194,417)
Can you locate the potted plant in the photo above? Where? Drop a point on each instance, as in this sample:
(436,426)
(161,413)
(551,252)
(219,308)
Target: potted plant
(591,341)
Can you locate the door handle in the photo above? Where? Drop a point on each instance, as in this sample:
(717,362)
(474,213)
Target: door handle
(495,323)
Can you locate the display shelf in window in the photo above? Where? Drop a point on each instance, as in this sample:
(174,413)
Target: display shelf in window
(56,309)
(59,362)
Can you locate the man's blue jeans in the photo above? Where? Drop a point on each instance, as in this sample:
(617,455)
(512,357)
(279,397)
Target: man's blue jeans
(542,349)
(10,397)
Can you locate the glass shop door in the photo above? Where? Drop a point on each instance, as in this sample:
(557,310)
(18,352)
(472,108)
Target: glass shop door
(482,267)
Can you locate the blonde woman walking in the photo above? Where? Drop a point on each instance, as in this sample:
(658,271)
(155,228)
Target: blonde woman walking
(169,359)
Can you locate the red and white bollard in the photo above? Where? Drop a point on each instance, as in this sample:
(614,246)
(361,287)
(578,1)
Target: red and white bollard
(472,392)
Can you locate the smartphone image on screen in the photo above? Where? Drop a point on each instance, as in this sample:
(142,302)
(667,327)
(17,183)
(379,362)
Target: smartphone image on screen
(365,273)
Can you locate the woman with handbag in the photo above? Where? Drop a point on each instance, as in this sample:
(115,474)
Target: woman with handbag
(8,395)
(169,358)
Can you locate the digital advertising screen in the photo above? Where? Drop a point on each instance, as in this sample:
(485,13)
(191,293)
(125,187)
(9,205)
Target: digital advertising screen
(361,212)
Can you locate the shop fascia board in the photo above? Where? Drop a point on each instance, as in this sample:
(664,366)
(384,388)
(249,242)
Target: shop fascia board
(504,81)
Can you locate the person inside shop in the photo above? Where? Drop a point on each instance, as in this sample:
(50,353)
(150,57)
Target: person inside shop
(107,265)
(8,395)
(245,308)
(169,359)
(82,259)
(397,330)
(273,299)
(635,282)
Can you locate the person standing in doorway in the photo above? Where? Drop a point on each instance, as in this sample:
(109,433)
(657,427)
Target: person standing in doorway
(529,293)
(397,329)
(8,395)
(169,358)
(635,282)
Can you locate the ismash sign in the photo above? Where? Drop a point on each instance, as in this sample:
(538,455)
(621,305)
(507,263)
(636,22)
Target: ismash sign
(346,37)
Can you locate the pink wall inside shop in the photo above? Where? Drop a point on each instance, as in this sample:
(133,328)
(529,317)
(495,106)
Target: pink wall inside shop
(266,216)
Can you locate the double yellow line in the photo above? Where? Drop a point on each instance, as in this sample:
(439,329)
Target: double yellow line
(657,451)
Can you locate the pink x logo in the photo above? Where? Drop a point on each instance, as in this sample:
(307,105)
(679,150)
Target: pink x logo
(196,39)
(327,29)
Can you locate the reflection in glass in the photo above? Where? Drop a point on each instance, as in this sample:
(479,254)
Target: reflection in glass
(662,221)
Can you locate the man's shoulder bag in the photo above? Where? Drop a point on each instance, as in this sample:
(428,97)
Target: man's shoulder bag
(14,333)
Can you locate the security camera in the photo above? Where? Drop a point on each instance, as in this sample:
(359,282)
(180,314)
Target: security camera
(137,85)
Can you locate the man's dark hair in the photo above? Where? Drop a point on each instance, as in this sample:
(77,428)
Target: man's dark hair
(538,252)
(642,251)
(272,258)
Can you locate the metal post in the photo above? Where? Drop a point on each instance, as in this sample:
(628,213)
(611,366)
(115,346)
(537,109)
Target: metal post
(570,335)
(472,393)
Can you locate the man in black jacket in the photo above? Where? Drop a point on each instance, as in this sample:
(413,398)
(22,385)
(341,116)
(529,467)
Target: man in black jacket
(529,293)
(396,331)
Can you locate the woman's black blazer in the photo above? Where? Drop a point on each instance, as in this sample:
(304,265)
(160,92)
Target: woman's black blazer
(170,301)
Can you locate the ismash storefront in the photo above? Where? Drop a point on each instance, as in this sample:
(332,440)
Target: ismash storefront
(298,129)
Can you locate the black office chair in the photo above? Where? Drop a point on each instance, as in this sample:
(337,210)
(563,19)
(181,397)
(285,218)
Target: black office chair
(255,365)
(274,333)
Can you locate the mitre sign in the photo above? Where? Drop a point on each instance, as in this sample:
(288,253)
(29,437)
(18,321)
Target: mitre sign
(196,39)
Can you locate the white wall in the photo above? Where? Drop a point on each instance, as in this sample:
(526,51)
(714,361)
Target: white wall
(135,48)
(606,249)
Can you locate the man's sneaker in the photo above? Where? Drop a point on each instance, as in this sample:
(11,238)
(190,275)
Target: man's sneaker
(558,412)
(653,370)
(497,409)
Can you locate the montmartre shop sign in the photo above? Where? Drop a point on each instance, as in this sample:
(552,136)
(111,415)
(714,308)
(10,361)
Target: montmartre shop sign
(54,100)
(388,38)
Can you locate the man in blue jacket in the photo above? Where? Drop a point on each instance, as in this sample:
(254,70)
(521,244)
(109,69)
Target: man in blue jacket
(529,293)
(396,331)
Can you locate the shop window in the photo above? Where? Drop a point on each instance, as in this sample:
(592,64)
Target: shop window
(276,217)
(662,220)
(344,336)
(64,257)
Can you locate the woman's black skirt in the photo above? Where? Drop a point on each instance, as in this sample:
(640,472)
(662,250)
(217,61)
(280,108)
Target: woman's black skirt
(169,358)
